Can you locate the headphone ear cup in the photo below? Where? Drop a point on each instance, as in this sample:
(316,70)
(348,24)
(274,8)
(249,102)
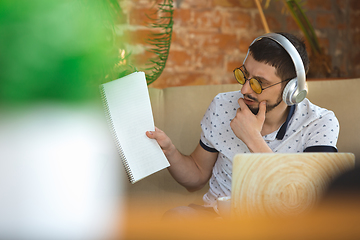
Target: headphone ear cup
(289,91)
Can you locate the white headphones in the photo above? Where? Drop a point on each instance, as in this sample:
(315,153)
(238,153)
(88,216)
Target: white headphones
(295,90)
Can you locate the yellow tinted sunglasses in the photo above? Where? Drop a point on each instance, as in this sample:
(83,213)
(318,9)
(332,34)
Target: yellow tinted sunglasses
(255,84)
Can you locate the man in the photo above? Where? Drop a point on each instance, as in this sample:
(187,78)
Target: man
(257,119)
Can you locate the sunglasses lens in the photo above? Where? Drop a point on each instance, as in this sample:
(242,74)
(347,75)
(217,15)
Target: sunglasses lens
(255,85)
(239,76)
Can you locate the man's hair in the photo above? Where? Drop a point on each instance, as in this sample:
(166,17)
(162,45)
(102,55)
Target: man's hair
(270,52)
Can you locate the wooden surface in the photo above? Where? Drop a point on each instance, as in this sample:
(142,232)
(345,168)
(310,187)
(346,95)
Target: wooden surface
(337,218)
(283,184)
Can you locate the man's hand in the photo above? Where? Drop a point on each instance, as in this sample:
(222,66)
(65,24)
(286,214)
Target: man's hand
(247,126)
(192,171)
(163,140)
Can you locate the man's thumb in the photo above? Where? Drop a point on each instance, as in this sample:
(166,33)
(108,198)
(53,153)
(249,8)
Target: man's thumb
(151,134)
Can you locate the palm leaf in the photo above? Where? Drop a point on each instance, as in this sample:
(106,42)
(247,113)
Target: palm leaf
(303,22)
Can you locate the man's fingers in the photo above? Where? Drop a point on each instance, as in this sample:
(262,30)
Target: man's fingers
(262,107)
(262,110)
(242,103)
(158,135)
(161,138)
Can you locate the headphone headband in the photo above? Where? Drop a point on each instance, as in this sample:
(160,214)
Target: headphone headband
(295,91)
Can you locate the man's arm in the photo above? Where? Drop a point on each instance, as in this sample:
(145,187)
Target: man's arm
(192,171)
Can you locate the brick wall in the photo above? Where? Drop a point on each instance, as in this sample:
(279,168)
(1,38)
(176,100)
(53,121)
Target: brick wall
(211,37)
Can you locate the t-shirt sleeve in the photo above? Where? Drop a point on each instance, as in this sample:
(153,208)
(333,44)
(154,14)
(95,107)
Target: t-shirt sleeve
(323,132)
(206,127)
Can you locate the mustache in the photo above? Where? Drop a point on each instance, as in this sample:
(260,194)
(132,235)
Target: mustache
(250,97)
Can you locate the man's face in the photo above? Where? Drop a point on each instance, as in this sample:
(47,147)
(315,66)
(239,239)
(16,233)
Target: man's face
(266,74)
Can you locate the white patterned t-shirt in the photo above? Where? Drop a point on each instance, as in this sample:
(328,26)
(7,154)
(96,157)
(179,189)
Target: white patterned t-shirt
(307,127)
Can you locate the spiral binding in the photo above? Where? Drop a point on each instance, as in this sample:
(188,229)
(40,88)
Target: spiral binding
(113,133)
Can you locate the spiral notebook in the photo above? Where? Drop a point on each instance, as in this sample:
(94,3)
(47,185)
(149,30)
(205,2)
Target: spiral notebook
(127,106)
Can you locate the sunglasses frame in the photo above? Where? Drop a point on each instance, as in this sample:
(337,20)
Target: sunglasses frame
(254,78)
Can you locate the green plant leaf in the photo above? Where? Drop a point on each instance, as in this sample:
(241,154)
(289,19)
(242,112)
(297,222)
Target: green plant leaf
(303,22)
(160,41)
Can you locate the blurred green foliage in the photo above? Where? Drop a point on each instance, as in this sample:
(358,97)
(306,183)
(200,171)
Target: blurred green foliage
(58,50)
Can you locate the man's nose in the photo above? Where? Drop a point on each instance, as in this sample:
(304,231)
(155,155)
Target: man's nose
(246,89)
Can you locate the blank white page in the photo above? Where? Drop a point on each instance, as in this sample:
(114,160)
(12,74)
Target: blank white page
(129,107)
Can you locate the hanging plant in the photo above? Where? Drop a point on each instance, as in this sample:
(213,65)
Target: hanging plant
(159,39)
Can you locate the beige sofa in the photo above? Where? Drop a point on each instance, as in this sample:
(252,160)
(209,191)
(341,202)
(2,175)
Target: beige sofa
(178,111)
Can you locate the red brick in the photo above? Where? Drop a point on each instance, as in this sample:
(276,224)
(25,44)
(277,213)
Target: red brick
(193,39)
(216,35)
(139,17)
(207,61)
(182,17)
(326,20)
(356,39)
(194,4)
(180,38)
(274,7)
(355,5)
(342,68)
(236,19)
(245,43)
(354,21)
(141,3)
(291,25)
(175,78)
(140,36)
(231,65)
(356,60)
(178,58)
(247,4)
(342,4)
(318,4)
(207,19)
(234,3)
(141,60)
(221,41)
(273,23)
(341,26)
(324,44)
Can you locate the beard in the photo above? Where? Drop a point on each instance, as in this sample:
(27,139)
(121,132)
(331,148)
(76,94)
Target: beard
(269,107)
